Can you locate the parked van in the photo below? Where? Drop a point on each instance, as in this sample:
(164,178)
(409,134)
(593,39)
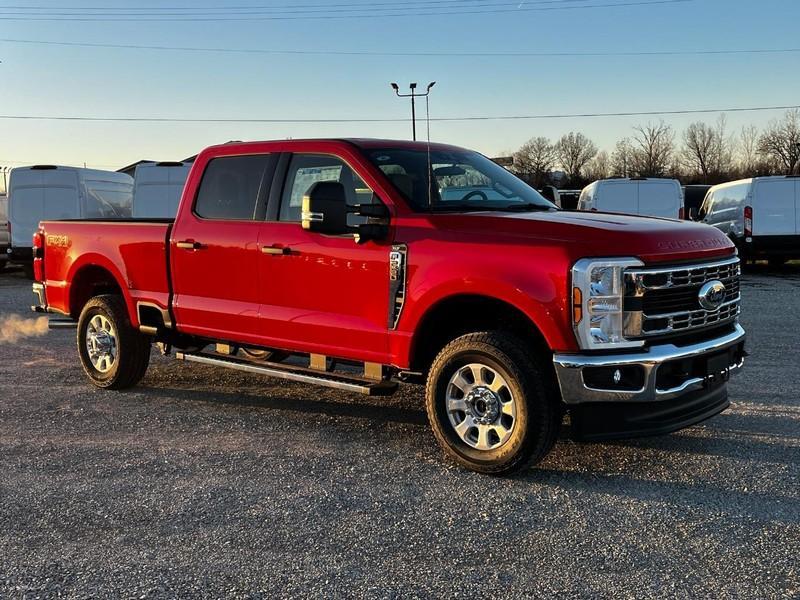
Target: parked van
(48,192)
(693,196)
(649,197)
(4,233)
(157,189)
(761,215)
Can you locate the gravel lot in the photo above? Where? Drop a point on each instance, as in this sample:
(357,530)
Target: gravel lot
(206,482)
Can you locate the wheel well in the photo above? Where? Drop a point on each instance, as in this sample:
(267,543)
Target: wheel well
(459,315)
(89,282)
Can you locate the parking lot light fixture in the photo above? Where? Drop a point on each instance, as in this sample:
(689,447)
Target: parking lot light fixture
(413,95)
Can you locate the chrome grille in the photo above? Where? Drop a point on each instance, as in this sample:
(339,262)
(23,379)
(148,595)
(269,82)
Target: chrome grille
(664,301)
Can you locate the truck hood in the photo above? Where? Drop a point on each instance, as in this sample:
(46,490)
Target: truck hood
(606,234)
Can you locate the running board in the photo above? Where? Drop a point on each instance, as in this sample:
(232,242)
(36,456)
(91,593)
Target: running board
(62,324)
(293,373)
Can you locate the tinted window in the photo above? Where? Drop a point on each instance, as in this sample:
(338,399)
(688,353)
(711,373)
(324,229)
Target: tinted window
(307,169)
(230,188)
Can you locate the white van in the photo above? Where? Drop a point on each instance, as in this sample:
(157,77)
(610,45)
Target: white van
(5,236)
(650,197)
(45,192)
(157,189)
(761,215)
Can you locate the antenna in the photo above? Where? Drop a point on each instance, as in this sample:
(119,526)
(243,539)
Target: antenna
(428,127)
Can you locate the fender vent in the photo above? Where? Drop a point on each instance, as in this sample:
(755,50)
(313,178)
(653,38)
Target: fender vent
(397,282)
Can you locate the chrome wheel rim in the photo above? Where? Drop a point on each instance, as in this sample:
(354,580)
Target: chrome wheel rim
(481,407)
(101,343)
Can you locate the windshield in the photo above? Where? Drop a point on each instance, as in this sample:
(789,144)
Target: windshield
(462,180)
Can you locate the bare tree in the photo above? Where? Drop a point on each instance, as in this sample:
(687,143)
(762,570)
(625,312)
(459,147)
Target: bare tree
(699,145)
(652,149)
(574,151)
(534,160)
(622,158)
(748,150)
(781,141)
(707,150)
(599,167)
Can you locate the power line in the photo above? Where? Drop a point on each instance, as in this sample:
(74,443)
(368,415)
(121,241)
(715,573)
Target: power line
(503,53)
(365,5)
(689,111)
(288,16)
(392,5)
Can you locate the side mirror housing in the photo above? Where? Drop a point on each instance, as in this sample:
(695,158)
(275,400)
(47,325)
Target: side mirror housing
(325,211)
(324,208)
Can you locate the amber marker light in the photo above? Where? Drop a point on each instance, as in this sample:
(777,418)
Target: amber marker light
(577,305)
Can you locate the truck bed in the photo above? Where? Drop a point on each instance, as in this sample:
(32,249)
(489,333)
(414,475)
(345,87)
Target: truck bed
(133,251)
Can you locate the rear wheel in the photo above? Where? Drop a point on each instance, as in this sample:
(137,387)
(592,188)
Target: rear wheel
(492,405)
(113,353)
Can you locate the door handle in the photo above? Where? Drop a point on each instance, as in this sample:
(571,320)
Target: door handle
(276,251)
(189,245)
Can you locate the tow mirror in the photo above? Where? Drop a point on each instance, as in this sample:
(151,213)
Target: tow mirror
(325,208)
(325,211)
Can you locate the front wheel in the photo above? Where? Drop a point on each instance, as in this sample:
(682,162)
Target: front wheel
(492,405)
(113,353)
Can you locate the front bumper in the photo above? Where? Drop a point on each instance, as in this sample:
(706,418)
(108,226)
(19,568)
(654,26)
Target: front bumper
(659,373)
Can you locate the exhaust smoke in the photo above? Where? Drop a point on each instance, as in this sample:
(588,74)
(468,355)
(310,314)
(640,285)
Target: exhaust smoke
(14,328)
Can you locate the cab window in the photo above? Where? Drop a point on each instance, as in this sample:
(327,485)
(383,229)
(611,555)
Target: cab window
(231,187)
(307,169)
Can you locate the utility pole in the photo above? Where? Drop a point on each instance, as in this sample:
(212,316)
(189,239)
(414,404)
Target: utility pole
(413,95)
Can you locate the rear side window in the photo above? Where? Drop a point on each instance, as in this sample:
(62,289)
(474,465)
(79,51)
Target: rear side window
(231,187)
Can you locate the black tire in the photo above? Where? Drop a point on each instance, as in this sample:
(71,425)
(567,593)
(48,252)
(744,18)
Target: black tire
(132,347)
(538,411)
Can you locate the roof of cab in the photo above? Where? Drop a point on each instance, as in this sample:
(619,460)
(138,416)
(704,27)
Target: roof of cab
(363,143)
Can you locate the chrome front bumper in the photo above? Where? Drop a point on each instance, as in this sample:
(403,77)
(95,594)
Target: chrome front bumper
(570,369)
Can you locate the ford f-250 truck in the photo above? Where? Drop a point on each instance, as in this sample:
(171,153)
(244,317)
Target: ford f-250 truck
(358,264)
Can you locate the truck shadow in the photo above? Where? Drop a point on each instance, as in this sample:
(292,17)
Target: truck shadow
(700,496)
(373,411)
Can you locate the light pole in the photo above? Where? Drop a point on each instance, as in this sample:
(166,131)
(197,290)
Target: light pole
(413,95)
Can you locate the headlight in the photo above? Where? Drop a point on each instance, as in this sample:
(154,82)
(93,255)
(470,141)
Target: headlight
(598,316)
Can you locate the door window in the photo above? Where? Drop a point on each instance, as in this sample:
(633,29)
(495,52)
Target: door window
(307,169)
(231,188)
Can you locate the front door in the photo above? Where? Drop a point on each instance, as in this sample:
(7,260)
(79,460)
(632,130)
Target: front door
(214,250)
(320,293)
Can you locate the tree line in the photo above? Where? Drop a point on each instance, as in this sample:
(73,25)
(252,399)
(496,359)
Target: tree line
(702,153)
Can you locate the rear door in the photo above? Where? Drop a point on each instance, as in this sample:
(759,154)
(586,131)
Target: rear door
(214,249)
(40,195)
(659,199)
(775,207)
(617,196)
(797,206)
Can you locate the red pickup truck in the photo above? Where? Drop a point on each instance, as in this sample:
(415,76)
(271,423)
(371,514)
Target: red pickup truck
(359,264)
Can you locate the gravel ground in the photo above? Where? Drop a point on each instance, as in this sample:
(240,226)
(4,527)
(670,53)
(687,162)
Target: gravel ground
(206,482)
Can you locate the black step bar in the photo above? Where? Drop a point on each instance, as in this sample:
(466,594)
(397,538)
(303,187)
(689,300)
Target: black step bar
(330,379)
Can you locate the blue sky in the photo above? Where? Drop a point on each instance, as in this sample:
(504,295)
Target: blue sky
(57,80)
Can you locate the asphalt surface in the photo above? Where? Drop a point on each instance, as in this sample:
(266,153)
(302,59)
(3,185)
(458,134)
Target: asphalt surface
(209,483)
